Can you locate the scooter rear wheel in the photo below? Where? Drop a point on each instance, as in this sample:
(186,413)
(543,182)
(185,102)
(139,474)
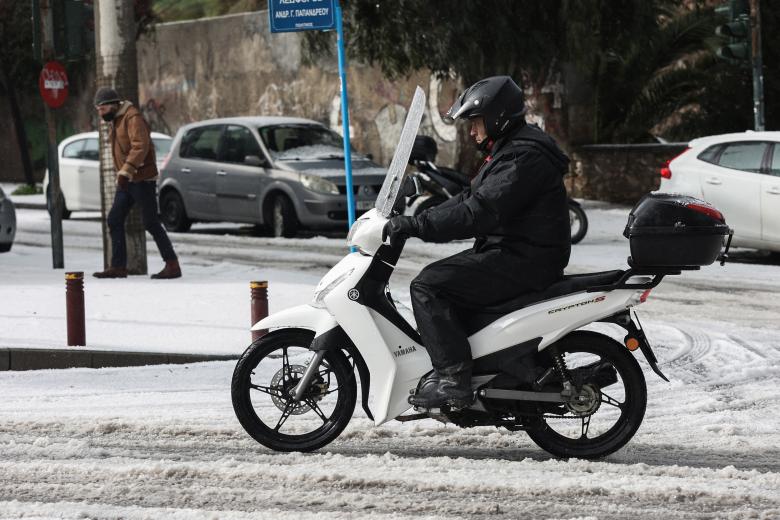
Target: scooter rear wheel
(613,402)
(578,221)
(265,378)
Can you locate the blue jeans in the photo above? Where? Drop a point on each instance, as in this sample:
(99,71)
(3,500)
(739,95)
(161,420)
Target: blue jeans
(144,194)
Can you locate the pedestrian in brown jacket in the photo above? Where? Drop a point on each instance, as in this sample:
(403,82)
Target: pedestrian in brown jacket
(136,179)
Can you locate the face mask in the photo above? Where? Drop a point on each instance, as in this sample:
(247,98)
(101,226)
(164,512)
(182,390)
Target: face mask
(109,116)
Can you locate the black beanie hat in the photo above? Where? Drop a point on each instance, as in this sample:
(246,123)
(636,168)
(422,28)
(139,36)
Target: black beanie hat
(106,96)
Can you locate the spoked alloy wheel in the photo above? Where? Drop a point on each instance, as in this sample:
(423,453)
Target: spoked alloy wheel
(610,399)
(264,381)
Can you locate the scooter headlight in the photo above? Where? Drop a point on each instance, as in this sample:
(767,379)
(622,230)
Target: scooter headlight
(353,231)
(320,294)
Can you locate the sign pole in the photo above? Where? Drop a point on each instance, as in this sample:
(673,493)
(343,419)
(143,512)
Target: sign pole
(56,85)
(345,116)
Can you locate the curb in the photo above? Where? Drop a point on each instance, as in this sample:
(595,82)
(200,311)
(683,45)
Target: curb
(41,359)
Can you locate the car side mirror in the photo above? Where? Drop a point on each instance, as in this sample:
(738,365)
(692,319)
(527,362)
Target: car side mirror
(254,160)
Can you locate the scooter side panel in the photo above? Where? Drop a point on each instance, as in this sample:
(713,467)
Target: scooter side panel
(360,324)
(411,362)
(549,320)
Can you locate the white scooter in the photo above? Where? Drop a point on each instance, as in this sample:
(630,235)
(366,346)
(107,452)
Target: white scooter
(576,393)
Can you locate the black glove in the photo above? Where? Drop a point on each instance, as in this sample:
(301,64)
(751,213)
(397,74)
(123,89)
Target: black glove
(399,228)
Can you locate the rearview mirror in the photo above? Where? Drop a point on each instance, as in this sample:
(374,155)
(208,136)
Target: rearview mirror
(254,160)
(411,186)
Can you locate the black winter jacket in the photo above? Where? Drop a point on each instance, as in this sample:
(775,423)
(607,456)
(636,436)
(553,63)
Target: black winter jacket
(517,203)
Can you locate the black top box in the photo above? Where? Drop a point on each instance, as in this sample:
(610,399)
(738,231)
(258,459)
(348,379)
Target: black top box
(670,230)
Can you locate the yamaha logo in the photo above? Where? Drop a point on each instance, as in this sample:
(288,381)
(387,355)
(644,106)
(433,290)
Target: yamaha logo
(353,294)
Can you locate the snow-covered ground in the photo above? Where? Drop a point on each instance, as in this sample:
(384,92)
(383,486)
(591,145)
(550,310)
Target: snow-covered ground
(163,442)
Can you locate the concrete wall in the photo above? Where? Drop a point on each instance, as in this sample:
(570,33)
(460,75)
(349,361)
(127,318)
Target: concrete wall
(618,173)
(233,65)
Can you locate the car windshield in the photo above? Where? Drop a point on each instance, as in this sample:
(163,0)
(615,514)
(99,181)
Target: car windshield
(161,146)
(301,142)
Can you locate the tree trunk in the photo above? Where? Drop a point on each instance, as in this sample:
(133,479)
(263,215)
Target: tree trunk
(21,134)
(117,67)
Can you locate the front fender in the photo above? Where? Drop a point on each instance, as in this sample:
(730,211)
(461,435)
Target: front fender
(302,316)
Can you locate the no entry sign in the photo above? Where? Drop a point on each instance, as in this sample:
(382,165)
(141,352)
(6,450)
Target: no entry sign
(53,84)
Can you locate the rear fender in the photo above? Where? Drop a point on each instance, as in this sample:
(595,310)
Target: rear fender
(634,329)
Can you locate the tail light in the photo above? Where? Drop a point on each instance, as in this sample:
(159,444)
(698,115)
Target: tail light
(708,210)
(645,295)
(666,172)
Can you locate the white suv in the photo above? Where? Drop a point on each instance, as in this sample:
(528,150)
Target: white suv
(740,175)
(80,170)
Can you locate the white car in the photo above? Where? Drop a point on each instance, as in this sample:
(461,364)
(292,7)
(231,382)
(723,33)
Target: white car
(740,175)
(80,170)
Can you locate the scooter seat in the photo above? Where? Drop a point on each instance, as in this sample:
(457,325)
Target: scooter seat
(477,319)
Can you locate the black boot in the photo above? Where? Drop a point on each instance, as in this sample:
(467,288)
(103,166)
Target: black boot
(448,386)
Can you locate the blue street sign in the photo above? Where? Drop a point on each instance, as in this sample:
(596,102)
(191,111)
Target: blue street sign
(301,15)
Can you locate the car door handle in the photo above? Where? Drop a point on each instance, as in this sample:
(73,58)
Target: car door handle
(774,190)
(81,170)
(185,170)
(221,173)
(714,180)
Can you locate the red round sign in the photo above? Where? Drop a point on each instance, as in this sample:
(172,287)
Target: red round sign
(53,84)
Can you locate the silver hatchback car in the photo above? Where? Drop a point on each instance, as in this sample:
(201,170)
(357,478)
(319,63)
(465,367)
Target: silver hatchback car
(279,172)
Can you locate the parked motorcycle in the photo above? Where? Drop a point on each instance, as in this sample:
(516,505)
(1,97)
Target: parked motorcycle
(440,183)
(575,393)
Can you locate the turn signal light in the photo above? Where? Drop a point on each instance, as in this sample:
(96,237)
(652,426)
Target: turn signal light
(632,343)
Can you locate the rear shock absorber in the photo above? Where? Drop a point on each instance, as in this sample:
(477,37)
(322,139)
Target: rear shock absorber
(559,365)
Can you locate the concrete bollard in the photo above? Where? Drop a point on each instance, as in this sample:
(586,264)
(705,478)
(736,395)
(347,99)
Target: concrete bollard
(74,309)
(259,292)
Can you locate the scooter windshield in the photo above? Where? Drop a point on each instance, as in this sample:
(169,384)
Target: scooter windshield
(396,174)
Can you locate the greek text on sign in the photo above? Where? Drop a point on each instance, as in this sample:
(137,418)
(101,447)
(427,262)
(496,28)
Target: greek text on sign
(301,15)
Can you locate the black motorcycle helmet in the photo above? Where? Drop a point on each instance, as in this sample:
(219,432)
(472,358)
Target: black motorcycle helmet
(498,100)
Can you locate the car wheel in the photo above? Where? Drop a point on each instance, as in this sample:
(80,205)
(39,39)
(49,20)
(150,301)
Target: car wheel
(4,248)
(64,211)
(174,216)
(283,221)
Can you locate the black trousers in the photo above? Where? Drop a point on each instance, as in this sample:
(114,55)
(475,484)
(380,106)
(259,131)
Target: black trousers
(143,194)
(463,283)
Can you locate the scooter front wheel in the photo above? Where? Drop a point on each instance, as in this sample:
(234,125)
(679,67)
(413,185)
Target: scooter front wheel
(263,387)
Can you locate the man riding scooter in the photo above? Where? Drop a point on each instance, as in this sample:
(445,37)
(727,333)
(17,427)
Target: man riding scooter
(517,210)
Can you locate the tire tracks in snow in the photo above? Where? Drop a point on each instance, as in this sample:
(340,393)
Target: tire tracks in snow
(224,472)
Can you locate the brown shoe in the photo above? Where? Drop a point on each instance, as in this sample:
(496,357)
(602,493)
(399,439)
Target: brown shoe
(171,270)
(112,272)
